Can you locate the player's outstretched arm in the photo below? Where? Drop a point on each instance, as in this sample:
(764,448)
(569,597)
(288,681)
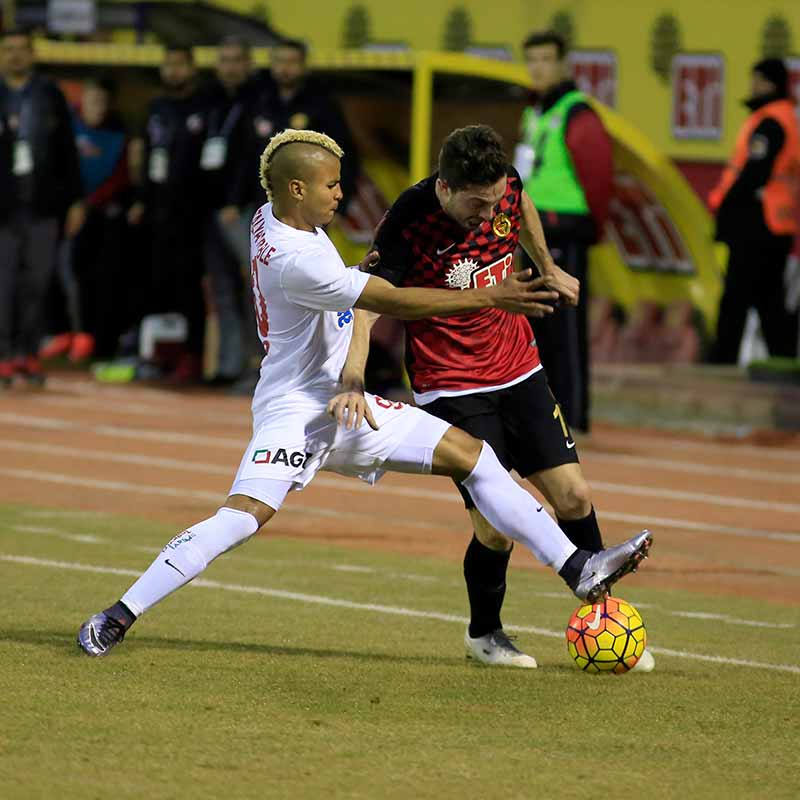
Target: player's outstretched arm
(349,408)
(355,364)
(518,293)
(531,237)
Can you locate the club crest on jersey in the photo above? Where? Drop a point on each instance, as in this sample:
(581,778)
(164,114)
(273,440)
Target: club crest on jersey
(501,225)
(467,273)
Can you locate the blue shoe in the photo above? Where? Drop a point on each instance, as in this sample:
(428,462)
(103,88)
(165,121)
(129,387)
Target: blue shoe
(99,634)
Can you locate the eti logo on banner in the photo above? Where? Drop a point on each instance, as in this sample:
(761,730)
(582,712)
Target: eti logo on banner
(595,72)
(698,87)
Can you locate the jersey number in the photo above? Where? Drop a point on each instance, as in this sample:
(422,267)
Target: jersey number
(261,307)
(383,403)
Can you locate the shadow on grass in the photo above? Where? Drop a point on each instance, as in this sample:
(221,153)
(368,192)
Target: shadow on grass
(59,640)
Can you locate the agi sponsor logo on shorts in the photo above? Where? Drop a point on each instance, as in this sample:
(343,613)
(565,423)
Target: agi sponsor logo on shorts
(297,458)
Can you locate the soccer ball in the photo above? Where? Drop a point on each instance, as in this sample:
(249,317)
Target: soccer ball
(606,637)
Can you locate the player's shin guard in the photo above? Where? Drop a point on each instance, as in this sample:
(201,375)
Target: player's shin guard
(514,512)
(187,555)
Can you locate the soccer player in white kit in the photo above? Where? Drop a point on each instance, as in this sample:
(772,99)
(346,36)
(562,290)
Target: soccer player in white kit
(303,422)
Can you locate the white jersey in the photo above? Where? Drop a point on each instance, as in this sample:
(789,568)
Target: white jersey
(303,295)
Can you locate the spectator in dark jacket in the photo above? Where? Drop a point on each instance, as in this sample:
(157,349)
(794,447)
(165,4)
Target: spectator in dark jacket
(89,264)
(231,186)
(291,99)
(756,205)
(40,191)
(172,200)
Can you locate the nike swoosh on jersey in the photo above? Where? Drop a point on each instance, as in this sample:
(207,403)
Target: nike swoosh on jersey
(439,252)
(570,445)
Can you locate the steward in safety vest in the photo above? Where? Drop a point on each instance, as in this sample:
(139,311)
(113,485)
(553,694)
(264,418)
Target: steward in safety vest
(565,159)
(756,204)
(758,190)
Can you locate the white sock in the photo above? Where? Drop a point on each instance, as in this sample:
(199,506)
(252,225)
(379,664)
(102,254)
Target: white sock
(510,509)
(187,555)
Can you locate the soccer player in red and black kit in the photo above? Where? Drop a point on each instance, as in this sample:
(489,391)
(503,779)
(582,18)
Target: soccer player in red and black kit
(481,372)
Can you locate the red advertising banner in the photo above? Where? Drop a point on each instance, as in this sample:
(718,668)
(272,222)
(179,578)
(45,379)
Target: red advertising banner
(643,232)
(698,88)
(595,72)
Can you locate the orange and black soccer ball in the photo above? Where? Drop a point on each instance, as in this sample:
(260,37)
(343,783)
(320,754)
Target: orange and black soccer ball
(606,637)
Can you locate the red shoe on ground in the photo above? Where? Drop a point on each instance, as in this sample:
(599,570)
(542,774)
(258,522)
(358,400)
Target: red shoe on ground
(30,370)
(82,347)
(189,370)
(58,345)
(6,374)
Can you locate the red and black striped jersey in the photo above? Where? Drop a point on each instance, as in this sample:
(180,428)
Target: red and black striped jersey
(420,245)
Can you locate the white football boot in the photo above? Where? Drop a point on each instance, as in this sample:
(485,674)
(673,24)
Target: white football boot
(497,649)
(646,663)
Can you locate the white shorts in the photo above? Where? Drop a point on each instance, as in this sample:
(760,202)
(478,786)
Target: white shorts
(290,445)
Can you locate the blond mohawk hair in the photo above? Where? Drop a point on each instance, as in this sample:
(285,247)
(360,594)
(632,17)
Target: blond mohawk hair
(291,136)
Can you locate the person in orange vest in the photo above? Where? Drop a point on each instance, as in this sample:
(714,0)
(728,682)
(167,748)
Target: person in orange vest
(756,205)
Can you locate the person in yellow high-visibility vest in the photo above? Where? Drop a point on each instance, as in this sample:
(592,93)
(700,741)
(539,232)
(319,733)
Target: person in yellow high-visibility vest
(756,205)
(564,157)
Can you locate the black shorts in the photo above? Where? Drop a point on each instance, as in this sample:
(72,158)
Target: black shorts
(523,424)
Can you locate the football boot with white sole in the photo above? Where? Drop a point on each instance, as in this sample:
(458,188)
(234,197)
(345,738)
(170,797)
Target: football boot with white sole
(646,663)
(497,649)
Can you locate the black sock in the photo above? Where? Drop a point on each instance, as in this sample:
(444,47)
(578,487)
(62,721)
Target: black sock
(485,574)
(120,612)
(583,533)
(571,571)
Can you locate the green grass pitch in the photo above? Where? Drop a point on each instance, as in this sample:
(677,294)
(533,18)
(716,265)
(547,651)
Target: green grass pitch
(307,671)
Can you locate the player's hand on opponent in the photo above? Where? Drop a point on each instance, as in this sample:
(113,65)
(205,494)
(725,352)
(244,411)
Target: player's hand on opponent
(567,286)
(369,261)
(350,409)
(521,293)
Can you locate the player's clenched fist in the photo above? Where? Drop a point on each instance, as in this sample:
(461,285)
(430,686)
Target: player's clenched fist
(523,294)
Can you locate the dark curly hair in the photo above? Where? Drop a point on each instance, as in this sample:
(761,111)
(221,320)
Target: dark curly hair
(472,156)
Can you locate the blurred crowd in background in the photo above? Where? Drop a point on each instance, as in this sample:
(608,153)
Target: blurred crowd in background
(117,242)
(118,245)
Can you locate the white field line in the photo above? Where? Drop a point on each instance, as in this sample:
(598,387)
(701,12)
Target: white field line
(594,455)
(174,437)
(377,608)
(725,501)
(350,485)
(693,467)
(384,573)
(216,498)
(770,453)
(48,514)
(241,422)
(90,389)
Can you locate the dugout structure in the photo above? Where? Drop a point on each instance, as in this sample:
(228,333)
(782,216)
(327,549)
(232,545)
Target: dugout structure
(658,246)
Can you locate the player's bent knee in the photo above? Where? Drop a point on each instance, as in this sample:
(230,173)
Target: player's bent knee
(261,511)
(575,501)
(456,454)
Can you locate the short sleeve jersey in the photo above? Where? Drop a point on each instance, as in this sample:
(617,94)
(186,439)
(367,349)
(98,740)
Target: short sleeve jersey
(420,245)
(303,296)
